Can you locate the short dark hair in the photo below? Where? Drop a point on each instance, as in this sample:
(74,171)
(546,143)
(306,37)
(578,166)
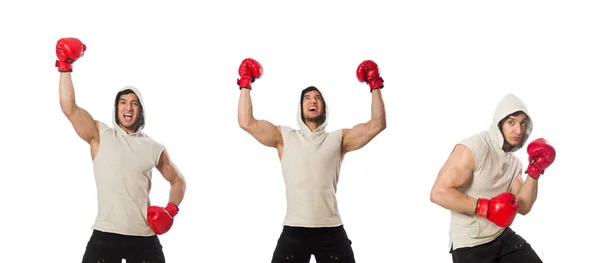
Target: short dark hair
(304,91)
(140,122)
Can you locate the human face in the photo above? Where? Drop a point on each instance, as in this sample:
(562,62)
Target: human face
(128,111)
(312,104)
(514,128)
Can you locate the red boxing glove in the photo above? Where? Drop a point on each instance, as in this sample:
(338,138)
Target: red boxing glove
(249,70)
(160,219)
(368,71)
(541,156)
(68,50)
(501,209)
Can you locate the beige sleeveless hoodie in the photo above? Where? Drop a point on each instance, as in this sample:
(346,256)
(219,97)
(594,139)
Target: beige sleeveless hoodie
(123,172)
(311,166)
(495,172)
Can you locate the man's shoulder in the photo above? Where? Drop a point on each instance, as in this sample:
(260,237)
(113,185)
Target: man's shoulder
(337,133)
(101,123)
(479,142)
(103,127)
(285,129)
(480,137)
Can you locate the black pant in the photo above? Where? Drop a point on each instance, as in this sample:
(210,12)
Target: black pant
(327,244)
(113,248)
(507,248)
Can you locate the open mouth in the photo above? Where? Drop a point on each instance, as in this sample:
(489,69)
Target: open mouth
(127,116)
(312,109)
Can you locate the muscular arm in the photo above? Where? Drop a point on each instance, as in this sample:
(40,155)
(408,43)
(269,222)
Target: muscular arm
(263,131)
(456,172)
(361,134)
(526,193)
(85,126)
(170,172)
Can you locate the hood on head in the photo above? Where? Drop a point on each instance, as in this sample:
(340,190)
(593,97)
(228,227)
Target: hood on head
(306,132)
(507,106)
(141,119)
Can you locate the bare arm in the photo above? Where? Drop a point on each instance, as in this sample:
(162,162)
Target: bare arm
(526,193)
(361,134)
(170,172)
(456,172)
(85,126)
(263,131)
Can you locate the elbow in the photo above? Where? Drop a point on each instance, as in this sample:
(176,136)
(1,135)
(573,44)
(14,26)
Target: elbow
(68,108)
(179,182)
(525,205)
(183,184)
(244,125)
(244,121)
(435,195)
(378,125)
(383,125)
(524,210)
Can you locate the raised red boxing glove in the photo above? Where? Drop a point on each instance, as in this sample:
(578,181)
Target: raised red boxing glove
(541,156)
(501,209)
(161,219)
(249,70)
(368,71)
(68,50)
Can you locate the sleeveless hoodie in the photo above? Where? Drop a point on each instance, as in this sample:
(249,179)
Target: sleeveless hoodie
(495,172)
(311,166)
(123,173)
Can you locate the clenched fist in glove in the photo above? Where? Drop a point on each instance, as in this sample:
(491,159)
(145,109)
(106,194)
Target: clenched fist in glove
(368,71)
(160,219)
(68,50)
(501,209)
(541,156)
(249,70)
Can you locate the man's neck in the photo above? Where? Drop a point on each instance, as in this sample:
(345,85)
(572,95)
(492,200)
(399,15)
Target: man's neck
(507,147)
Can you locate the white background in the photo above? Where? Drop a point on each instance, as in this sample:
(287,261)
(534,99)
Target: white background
(435,58)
